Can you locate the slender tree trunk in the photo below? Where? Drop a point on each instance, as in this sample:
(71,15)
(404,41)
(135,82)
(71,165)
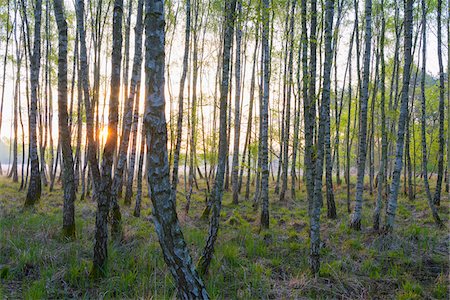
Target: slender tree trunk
(13,172)
(310,106)
(392,203)
(5,60)
(176,155)
(217,191)
(100,249)
(34,188)
(134,126)
(193,116)
(173,246)
(423,119)
(104,191)
(383,161)
(324,122)
(250,119)
(237,100)
(128,119)
(265,117)
(137,207)
(64,131)
(288,103)
(362,149)
(123,161)
(437,193)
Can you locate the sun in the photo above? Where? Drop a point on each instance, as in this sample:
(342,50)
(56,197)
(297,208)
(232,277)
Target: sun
(104,133)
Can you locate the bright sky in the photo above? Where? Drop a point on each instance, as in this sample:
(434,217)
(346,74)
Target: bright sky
(206,79)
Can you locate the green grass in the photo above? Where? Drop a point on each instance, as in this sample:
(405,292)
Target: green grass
(249,263)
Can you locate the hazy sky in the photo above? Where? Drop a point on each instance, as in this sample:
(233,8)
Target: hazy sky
(207,78)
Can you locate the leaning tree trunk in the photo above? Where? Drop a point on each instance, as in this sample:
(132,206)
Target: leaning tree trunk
(104,187)
(217,190)
(392,203)
(165,219)
(362,149)
(64,131)
(324,122)
(437,193)
(34,187)
(423,120)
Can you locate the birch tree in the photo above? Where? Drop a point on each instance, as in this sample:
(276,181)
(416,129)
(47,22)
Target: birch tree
(34,187)
(64,131)
(174,248)
(362,145)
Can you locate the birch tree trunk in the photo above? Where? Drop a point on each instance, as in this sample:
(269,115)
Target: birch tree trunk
(288,103)
(34,187)
(323,123)
(362,145)
(137,206)
(104,191)
(423,119)
(237,113)
(128,119)
(99,249)
(437,193)
(5,60)
(134,126)
(392,203)
(64,131)
(13,172)
(264,147)
(310,103)
(176,155)
(174,248)
(383,162)
(217,190)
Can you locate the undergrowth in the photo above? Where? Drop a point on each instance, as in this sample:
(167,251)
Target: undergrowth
(412,263)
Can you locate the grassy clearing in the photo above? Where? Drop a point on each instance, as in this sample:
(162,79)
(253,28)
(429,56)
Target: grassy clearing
(36,262)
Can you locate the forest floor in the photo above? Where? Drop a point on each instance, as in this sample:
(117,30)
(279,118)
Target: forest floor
(412,263)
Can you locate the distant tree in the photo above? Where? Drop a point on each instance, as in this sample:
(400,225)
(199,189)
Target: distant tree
(423,119)
(217,190)
(176,155)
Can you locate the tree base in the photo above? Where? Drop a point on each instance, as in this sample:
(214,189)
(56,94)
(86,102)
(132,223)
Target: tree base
(355,224)
(69,232)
